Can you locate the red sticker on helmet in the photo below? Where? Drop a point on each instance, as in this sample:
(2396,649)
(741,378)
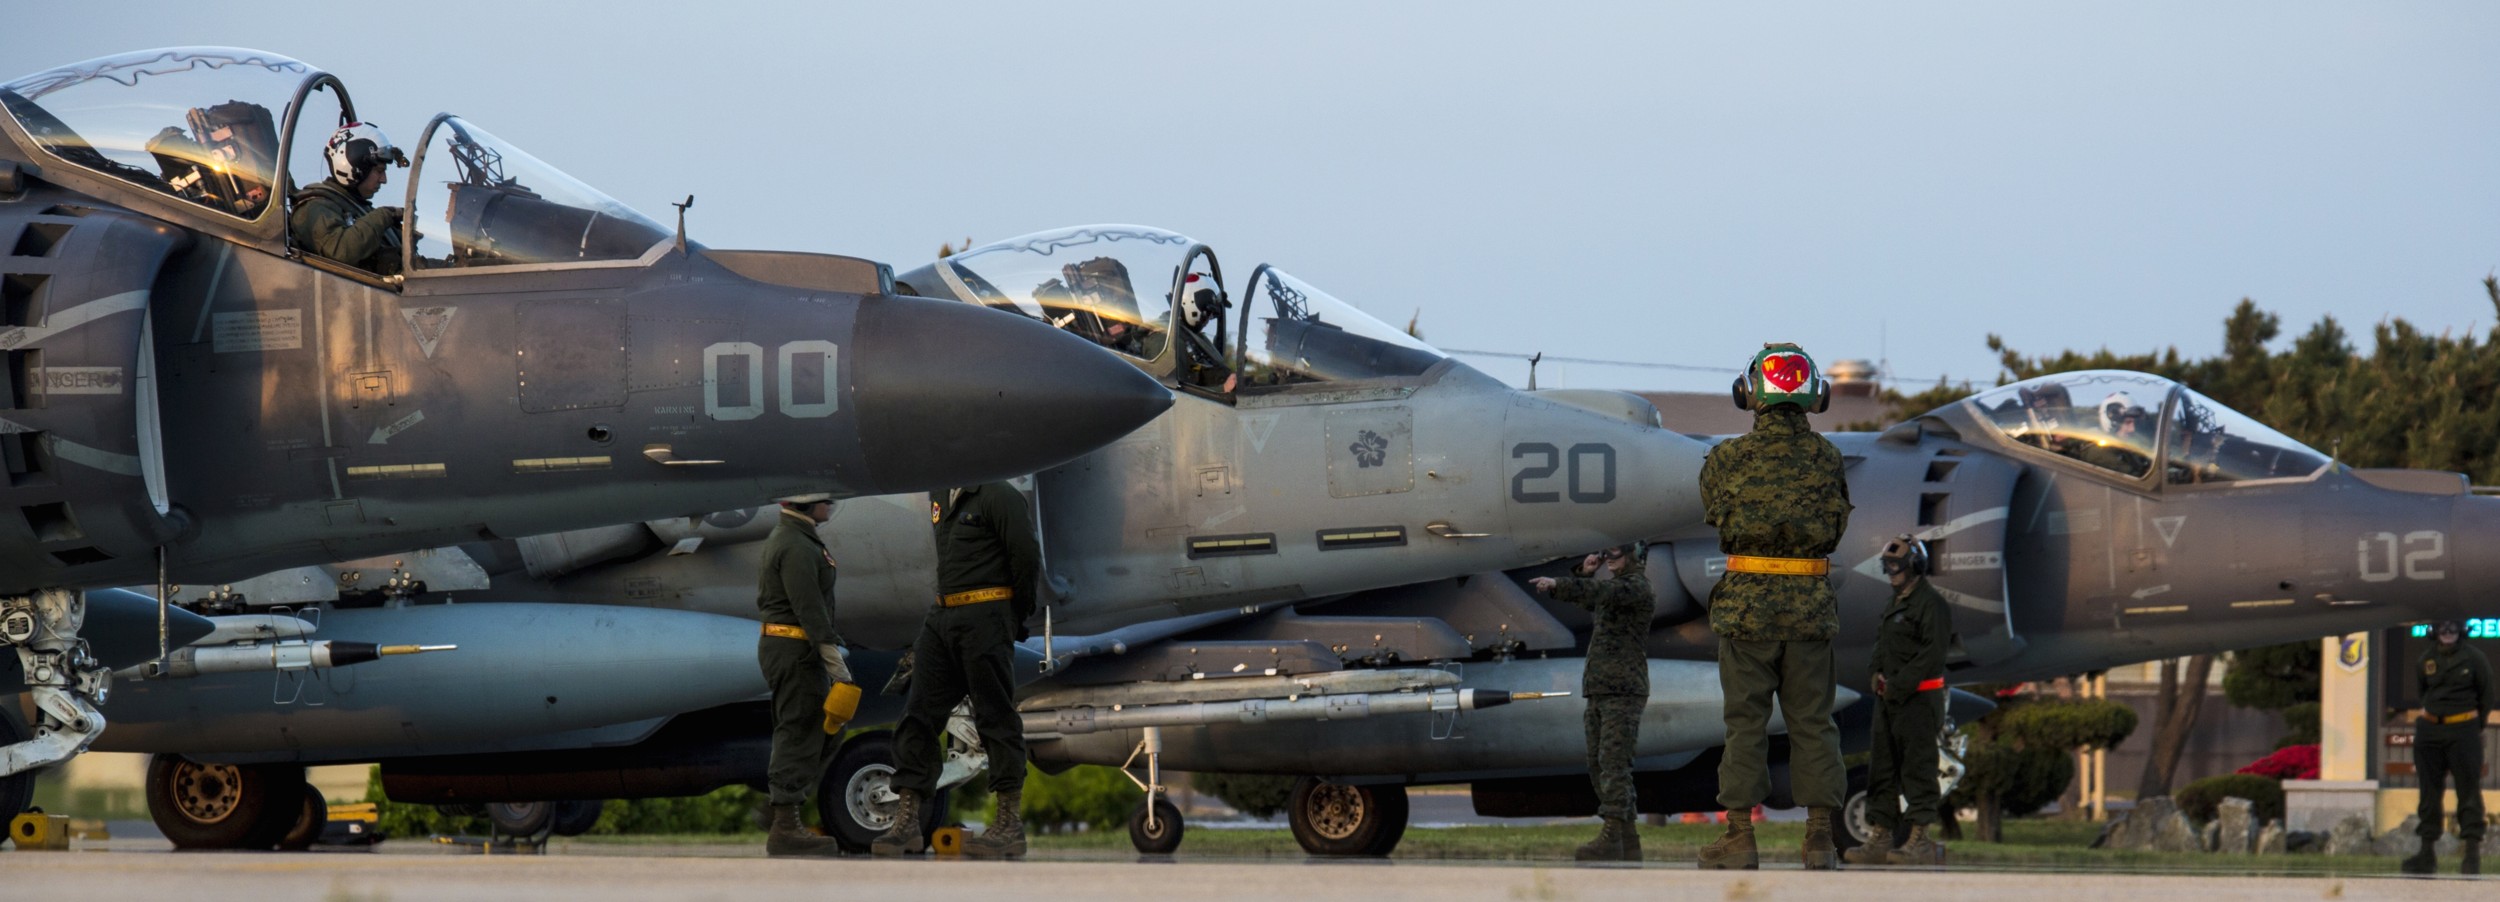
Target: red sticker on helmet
(1786,372)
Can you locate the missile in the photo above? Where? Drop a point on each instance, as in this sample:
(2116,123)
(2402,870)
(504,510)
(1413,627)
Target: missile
(197,660)
(1070,721)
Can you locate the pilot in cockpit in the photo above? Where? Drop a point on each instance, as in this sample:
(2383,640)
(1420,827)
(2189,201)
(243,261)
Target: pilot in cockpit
(336,218)
(1202,363)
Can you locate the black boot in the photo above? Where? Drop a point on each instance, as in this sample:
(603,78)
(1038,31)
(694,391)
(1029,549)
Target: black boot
(2472,862)
(2422,862)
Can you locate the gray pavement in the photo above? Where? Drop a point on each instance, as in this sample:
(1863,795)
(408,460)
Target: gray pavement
(733,873)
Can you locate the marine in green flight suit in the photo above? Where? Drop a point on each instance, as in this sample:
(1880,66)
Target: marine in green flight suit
(989,566)
(1615,681)
(2455,683)
(802,657)
(1780,502)
(1910,644)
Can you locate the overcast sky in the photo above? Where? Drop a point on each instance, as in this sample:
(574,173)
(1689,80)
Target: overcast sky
(1635,181)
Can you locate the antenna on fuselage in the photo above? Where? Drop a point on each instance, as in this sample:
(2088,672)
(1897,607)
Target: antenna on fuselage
(681,222)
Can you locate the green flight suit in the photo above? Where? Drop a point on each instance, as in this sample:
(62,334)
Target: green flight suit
(2454,679)
(795,588)
(331,221)
(985,540)
(1910,645)
(1778,491)
(1615,680)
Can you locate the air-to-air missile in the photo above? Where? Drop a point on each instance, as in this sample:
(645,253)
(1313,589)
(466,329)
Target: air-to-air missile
(192,398)
(1347,457)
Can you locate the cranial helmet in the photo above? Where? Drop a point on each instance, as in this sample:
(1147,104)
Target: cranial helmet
(1905,554)
(2116,409)
(2449,626)
(1782,374)
(356,149)
(1201,302)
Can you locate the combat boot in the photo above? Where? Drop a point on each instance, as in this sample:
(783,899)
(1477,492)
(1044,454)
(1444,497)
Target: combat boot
(2472,862)
(904,837)
(1918,850)
(1616,841)
(1878,845)
(1820,854)
(2422,862)
(1005,836)
(1733,850)
(789,838)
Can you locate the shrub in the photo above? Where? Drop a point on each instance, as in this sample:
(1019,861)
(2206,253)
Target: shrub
(2201,800)
(1091,795)
(2300,723)
(2291,762)
(1257,795)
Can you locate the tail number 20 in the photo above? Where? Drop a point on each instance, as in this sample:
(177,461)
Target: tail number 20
(1587,462)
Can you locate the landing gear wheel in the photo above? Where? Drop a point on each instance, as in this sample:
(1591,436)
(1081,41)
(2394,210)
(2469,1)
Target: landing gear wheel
(16,790)
(577,817)
(1341,820)
(1853,825)
(223,806)
(521,820)
(309,824)
(1164,836)
(845,795)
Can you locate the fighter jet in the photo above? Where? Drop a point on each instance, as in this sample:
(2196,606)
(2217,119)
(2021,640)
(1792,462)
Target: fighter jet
(1347,457)
(193,398)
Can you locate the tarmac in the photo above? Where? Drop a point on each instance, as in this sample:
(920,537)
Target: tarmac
(140,869)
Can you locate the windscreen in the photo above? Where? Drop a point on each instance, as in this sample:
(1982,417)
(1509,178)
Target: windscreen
(198,123)
(1108,284)
(1293,332)
(478,201)
(2211,444)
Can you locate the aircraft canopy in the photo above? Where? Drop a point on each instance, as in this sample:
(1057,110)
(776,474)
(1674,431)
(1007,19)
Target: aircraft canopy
(199,123)
(2127,422)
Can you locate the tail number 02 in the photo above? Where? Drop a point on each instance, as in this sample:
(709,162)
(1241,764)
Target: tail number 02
(733,380)
(1590,478)
(2385,557)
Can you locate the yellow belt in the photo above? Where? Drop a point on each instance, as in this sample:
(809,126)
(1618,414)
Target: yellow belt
(1780,566)
(784,630)
(2459,717)
(975,596)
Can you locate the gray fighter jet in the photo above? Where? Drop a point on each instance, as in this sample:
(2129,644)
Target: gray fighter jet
(192,397)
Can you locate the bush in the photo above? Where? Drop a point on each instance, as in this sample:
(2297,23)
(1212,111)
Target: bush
(1257,795)
(2201,800)
(1092,795)
(2069,725)
(2300,723)
(2021,780)
(727,810)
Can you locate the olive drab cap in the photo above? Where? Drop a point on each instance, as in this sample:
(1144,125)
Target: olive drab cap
(1782,374)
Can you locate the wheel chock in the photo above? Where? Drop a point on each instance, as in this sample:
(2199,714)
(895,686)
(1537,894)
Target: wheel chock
(36,830)
(947,841)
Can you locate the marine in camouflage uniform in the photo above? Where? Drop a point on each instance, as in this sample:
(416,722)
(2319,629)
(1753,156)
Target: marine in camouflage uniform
(1615,681)
(989,567)
(1780,501)
(801,656)
(2455,683)
(1908,678)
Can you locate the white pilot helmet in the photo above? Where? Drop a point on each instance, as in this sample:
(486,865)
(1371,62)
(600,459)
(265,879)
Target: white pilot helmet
(1201,301)
(2116,407)
(356,148)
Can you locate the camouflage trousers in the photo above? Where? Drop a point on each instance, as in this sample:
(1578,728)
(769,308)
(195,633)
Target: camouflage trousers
(2443,753)
(796,675)
(1613,727)
(1901,787)
(1798,675)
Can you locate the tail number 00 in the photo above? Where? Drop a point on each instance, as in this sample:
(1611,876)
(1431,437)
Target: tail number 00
(733,380)
(1590,480)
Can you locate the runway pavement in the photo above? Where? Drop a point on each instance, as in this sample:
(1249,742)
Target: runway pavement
(736,873)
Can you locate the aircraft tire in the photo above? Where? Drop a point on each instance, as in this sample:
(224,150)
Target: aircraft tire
(864,765)
(522,820)
(16,790)
(1165,837)
(1340,820)
(314,818)
(575,818)
(1851,832)
(223,806)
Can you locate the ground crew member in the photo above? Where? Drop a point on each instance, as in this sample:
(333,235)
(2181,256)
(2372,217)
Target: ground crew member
(1780,503)
(1910,644)
(802,657)
(1616,683)
(336,218)
(989,568)
(2455,680)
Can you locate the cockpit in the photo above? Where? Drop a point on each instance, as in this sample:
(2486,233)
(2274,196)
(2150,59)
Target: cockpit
(2129,424)
(233,134)
(1160,298)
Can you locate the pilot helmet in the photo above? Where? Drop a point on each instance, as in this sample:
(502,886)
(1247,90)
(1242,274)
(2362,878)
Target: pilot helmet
(1905,554)
(2449,626)
(356,149)
(2117,409)
(1201,302)
(1782,374)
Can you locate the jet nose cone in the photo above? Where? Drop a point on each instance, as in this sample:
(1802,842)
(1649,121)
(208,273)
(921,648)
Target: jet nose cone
(953,394)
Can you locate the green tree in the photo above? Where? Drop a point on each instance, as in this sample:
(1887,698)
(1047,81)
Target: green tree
(1257,795)
(2022,756)
(2278,678)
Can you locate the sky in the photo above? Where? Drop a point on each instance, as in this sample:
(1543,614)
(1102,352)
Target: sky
(1663,183)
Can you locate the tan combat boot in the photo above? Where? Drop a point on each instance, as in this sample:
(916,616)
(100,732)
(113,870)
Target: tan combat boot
(1918,850)
(1733,850)
(1005,836)
(904,837)
(788,837)
(1820,854)
(1878,845)
(1616,841)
